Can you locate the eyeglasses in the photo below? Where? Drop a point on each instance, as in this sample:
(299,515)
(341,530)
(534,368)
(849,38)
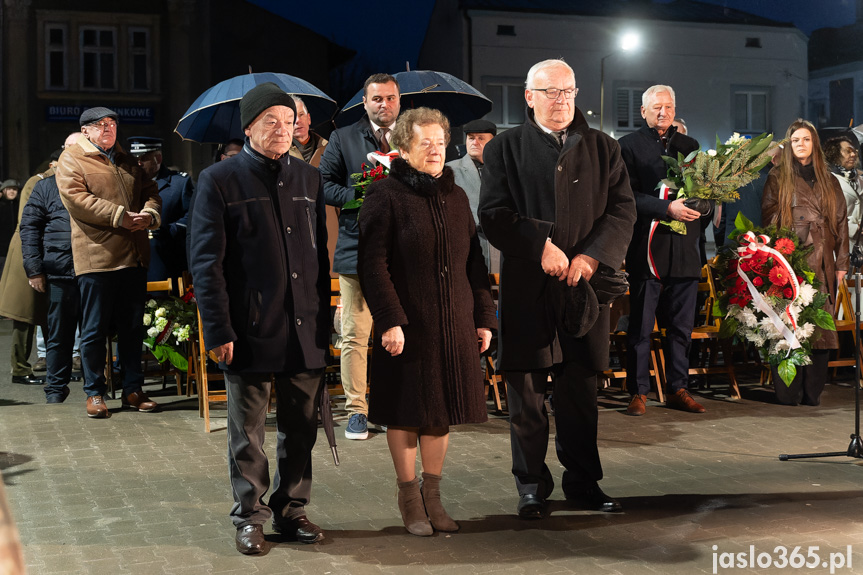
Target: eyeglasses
(554,93)
(105,125)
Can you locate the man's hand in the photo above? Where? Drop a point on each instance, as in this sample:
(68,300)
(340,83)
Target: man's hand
(554,262)
(393,340)
(677,211)
(37,283)
(135,221)
(484,337)
(581,266)
(225,352)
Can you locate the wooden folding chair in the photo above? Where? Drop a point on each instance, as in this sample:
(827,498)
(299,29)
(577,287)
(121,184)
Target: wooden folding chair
(151,366)
(493,379)
(845,319)
(206,396)
(707,332)
(617,340)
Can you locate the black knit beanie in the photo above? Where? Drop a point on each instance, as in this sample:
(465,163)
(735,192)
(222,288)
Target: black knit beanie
(260,98)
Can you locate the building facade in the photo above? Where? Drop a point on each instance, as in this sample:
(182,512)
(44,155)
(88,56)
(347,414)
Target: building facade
(732,72)
(147,61)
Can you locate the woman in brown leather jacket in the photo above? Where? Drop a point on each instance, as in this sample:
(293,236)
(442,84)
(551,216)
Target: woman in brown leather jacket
(801,194)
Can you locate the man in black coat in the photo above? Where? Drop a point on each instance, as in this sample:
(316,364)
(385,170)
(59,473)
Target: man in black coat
(346,153)
(664,266)
(46,245)
(556,202)
(261,271)
(168,242)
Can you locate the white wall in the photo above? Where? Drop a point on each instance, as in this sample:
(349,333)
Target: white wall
(700,61)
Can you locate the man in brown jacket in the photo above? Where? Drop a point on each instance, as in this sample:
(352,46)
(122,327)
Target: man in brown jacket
(111,205)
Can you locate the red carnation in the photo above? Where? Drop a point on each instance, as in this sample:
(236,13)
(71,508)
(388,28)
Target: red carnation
(788,293)
(778,276)
(757,282)
(744,265)
(800,279)
(784,246)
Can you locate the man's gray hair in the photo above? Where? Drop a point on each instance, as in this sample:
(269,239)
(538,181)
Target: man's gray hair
(540,66)
(297,99)
(653,91)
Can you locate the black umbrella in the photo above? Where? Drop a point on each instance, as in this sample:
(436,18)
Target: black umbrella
(326,412)
(215,116)
(459,101)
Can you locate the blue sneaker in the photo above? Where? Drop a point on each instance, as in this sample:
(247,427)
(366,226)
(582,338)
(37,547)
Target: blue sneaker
(358,427)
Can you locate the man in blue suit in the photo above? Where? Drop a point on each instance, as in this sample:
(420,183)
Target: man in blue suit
(168,243)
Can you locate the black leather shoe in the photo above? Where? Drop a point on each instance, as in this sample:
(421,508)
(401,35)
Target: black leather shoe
(250,539)
(595,499)
(58,398)
(531,506)
(299,529)
(28,379)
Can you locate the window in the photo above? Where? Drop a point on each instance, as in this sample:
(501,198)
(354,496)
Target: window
(507,97)
(56,68)
(139,55)
(98,58)
(97,52)
(750,110)
(627,107)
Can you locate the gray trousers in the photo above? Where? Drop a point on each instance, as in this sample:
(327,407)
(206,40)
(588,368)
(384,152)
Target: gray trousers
(297,396)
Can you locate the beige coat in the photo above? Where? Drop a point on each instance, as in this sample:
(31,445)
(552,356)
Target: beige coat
(97,194)
(810,224)
(17,299)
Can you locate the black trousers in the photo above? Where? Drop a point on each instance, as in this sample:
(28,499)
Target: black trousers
(297,396)
(112,302)
(672,302)
(64,313)
(576,419)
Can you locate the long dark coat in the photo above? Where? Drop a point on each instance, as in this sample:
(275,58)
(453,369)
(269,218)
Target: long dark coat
(258,257)
(675,255)
(578,196)
(810,224)
(421,268)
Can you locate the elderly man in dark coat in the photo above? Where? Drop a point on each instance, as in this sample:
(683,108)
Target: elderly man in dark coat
(664,266)
(556,202)
(259,260)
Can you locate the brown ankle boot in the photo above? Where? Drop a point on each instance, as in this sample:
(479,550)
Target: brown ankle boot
(411,506)
(438,516)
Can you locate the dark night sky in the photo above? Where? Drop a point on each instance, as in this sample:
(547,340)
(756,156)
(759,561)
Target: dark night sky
(347,22)
(808,15)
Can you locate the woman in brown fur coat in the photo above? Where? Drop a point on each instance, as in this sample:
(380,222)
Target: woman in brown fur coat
(422,271)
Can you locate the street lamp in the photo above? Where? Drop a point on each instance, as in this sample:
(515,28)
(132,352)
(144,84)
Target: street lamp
(628,42)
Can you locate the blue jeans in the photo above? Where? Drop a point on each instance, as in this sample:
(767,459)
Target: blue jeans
(112,302)
(64,312)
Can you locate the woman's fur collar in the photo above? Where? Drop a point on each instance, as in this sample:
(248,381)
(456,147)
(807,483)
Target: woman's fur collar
(422,183)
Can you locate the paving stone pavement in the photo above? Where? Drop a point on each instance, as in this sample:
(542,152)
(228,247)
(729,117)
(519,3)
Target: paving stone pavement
(148,493)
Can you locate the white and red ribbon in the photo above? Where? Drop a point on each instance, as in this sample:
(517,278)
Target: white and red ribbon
(664,192)
(753,244)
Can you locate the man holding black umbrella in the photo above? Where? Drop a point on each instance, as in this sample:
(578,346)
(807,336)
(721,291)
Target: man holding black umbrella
(345,154)
(258,255)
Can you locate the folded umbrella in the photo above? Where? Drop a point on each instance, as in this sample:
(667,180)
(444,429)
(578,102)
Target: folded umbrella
(326,412)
